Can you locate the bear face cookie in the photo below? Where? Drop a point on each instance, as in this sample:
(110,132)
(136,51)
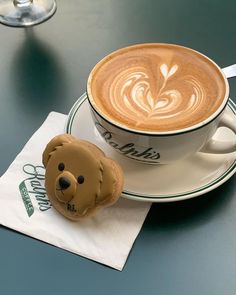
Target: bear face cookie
(79,177)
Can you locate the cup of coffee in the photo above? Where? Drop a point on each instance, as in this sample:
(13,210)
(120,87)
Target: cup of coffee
(158,103)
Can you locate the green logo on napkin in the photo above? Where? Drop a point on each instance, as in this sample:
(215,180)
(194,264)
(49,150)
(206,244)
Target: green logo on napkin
(26,199)
(33,188)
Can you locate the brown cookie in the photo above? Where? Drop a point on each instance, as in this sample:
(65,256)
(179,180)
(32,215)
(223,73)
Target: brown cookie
(79,177)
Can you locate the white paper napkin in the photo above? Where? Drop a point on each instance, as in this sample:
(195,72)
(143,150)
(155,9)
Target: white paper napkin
(24,206)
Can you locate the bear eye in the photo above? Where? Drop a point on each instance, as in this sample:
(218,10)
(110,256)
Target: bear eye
(61,167)
(80,179)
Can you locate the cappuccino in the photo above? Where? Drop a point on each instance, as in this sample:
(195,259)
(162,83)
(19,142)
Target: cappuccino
(156,87)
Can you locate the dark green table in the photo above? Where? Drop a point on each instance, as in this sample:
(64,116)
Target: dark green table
(184,248)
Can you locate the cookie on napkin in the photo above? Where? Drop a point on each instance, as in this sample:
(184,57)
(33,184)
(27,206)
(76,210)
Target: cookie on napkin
(79,178)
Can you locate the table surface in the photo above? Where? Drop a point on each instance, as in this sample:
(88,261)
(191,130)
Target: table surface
(183,248)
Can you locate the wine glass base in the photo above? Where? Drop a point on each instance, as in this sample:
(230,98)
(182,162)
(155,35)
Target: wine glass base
(26,15)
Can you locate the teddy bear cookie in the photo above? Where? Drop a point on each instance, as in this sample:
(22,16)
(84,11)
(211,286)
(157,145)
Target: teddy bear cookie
(79,178)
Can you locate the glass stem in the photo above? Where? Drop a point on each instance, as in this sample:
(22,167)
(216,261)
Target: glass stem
(22,3)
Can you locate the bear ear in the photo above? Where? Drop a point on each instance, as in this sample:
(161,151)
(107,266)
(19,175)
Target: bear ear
(111,182)
(57,141)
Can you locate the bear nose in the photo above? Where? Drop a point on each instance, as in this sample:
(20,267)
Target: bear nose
(64,182)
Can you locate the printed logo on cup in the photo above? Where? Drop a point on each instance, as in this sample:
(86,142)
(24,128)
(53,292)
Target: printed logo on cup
(129,149)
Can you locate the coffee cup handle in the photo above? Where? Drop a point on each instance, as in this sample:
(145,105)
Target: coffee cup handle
(230,71)
(222,147)
(227,120)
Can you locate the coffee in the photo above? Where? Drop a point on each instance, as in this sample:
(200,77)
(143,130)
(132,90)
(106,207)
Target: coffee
(156,87)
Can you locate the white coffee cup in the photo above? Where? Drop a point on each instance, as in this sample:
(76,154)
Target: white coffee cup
(169,146)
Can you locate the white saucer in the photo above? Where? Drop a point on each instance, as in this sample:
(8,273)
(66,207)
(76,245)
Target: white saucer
(185,179)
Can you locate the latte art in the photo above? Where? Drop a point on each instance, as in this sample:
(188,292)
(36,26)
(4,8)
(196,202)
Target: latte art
(156,88)
(131,95)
